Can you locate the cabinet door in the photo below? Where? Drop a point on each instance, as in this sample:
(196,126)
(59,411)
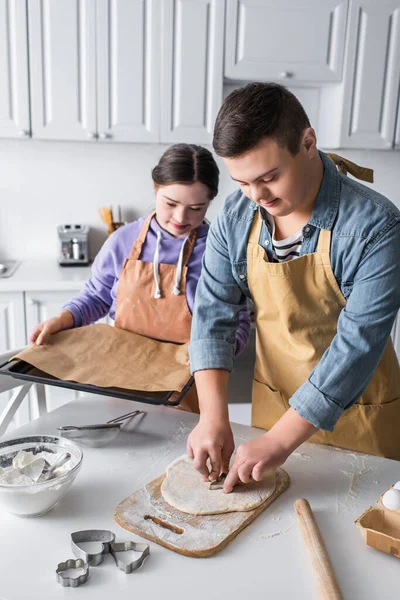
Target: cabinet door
(62,58)
(285,40)
(373,77)
(12,321)
(13,337)
(40,306)
(192,69)
(397,134)
(14,96)
(128,70)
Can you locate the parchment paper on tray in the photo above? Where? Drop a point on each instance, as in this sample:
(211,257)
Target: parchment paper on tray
(106,356)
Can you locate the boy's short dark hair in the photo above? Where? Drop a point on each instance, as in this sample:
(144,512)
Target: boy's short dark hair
(256,111)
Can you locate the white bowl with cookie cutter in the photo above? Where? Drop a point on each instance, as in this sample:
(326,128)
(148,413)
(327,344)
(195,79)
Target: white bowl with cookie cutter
(380,525)
(38,497)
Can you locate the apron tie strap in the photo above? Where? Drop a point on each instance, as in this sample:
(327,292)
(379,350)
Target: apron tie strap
(157,293)
(176,290)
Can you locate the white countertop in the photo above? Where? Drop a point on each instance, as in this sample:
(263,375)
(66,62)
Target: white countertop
(266,560)
(45,275)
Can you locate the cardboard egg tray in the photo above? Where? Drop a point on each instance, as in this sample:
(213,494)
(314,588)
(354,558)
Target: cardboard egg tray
(380,527)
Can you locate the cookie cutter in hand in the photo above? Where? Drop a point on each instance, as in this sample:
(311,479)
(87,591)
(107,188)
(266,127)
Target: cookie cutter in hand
(70,580)
(97,536)
(126,546)
(98,434)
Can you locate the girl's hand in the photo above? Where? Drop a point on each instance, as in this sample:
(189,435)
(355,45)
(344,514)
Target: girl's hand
(40,335)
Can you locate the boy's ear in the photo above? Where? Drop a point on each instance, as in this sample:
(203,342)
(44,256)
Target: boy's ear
(309,140)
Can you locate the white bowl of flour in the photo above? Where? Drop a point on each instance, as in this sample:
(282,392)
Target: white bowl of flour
(24,497)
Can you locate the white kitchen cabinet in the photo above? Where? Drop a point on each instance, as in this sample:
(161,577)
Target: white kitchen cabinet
(40,306)
(12,337)
(192,69)
(128,70)
(361,113)
(285,41)
(14,90)
(397,134)
(62,59)
(12,321)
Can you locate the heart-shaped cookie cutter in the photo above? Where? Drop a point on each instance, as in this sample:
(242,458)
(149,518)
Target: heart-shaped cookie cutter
(125,547)
(69,580)
(102,536)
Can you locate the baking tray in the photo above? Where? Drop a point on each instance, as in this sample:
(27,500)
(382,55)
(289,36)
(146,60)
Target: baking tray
(19,369)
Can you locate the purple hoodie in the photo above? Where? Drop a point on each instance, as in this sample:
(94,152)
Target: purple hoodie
(99,296)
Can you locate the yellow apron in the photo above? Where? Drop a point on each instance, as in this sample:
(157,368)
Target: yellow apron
(297,306)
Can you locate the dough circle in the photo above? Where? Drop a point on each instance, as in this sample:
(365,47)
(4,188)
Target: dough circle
(184,489)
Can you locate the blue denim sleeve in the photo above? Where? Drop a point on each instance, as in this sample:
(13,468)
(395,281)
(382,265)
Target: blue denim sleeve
(363,331)
(219,300)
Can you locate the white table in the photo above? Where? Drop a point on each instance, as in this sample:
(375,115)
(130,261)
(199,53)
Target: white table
(267,560)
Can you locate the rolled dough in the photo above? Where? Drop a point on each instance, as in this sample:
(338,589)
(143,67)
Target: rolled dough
(184,489)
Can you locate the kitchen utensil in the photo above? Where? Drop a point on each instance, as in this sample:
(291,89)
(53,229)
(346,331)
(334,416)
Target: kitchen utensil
(122,548)
(74,245)
(147,514)
(324,574)
(98,434)
(40,497)
(72,573)
(19,369)
(8,268)
(49,469)
(100,538)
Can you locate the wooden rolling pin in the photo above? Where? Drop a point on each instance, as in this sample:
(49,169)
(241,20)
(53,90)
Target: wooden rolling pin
(323,571)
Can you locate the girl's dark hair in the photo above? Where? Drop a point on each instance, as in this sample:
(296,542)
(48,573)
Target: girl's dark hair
(256,111)
(187,164)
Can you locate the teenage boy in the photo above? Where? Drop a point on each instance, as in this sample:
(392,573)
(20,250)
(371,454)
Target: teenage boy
(318,254)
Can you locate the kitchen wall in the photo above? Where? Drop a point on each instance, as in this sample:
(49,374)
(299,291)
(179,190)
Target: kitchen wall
(44,184)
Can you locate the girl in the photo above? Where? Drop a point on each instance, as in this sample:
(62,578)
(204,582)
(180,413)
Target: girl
(145,275)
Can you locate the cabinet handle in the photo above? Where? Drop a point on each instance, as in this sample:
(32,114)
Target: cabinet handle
(104,136)
(286,74)
(23,133)
(32,301)
(91,135)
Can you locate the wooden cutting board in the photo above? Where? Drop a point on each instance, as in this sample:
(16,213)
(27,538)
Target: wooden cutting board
(147,514)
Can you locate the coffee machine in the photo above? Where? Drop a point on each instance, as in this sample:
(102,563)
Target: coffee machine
(74,245)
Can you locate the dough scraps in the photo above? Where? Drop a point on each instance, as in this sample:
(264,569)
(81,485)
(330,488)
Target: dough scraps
(184,489)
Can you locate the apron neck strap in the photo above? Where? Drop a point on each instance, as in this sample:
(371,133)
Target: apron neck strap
(190,244)
(255,230)
(137,246)
(324,242)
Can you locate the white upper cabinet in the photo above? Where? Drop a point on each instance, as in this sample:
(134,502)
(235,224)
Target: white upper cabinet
(285,41)
(62,42)
(192,69)
(14,91)
(128,70)
(372,94)
(362,112)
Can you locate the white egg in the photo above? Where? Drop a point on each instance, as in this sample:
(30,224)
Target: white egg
(397,486)
(391,499)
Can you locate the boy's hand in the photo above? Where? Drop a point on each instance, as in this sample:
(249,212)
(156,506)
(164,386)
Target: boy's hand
(270,450)
(253,459)
(213,440)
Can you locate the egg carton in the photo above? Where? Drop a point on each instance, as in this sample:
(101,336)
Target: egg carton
(380,525)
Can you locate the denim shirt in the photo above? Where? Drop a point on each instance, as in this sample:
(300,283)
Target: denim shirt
(365,258)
